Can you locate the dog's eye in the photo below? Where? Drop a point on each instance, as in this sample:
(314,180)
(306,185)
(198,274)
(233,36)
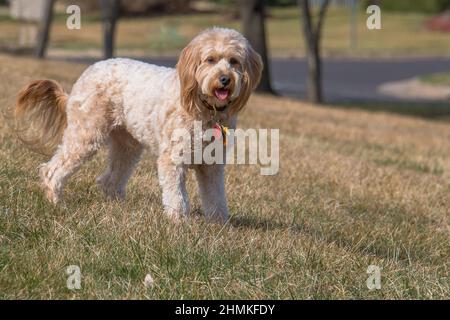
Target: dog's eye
(234,61)
(210,60)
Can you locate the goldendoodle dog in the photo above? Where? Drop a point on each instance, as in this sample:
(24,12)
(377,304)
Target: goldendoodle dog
(130,105)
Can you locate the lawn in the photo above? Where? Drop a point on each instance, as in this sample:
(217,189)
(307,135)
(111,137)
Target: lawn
(355,188)
(402,34)
(440,79)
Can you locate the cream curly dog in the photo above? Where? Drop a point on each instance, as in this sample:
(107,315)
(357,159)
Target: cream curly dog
(129,105)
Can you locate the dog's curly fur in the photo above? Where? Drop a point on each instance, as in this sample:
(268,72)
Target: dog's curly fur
(131,105)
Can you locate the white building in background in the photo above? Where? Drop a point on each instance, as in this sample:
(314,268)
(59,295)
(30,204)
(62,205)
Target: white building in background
(26,10)
(29,12)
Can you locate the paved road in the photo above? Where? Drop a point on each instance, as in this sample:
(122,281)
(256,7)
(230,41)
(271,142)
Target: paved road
(353,80)
(345,80)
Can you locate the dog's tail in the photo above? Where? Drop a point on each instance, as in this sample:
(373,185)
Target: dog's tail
(39,116)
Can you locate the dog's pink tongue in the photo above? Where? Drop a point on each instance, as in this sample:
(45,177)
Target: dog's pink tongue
(221,94)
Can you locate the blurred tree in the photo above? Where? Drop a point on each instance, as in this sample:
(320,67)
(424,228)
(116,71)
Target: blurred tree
(110,13)
(312,34)
(253,20)
(44,29)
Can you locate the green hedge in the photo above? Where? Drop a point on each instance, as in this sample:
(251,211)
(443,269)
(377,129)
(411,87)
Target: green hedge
(281,3)
(428,6)
(275,3)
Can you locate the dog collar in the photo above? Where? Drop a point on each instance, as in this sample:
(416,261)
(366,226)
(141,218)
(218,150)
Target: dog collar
(214,108)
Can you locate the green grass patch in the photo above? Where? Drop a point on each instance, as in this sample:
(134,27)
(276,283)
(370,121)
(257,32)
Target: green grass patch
(441,79)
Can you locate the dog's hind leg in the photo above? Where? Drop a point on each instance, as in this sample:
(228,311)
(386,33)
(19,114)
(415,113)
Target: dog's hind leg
(124,154)
(88,128)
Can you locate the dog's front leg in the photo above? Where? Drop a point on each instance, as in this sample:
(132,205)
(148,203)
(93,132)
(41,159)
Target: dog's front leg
(172,178)
(211,187)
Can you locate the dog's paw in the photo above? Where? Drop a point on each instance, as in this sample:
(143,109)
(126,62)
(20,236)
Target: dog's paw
(175,216)
(218,218)
(110,191)
(50,192)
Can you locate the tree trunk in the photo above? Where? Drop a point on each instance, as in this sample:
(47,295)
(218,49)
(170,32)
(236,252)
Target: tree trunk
(312,35)
(253,20)
(314,85)
(44,29)
(110,12)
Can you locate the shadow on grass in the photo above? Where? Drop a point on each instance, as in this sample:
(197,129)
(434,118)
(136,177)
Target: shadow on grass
(250,222)
(439,111)
(373,245)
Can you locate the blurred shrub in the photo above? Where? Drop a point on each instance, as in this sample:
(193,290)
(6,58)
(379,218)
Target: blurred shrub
(135,7)
(280,3)
(224,2)
(428,6)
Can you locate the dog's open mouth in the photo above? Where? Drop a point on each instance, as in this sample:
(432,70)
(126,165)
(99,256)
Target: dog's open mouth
(221,94)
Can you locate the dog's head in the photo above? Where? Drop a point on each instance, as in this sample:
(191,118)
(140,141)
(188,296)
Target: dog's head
(218,69)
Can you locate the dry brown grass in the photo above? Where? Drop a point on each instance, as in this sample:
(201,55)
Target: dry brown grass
(355,188)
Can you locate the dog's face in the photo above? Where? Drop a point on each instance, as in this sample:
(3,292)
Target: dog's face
(218,68)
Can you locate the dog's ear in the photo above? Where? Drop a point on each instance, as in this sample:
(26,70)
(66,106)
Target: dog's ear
(253,67)
(186,67)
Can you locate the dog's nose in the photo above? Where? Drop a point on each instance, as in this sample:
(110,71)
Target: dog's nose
(224,80)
